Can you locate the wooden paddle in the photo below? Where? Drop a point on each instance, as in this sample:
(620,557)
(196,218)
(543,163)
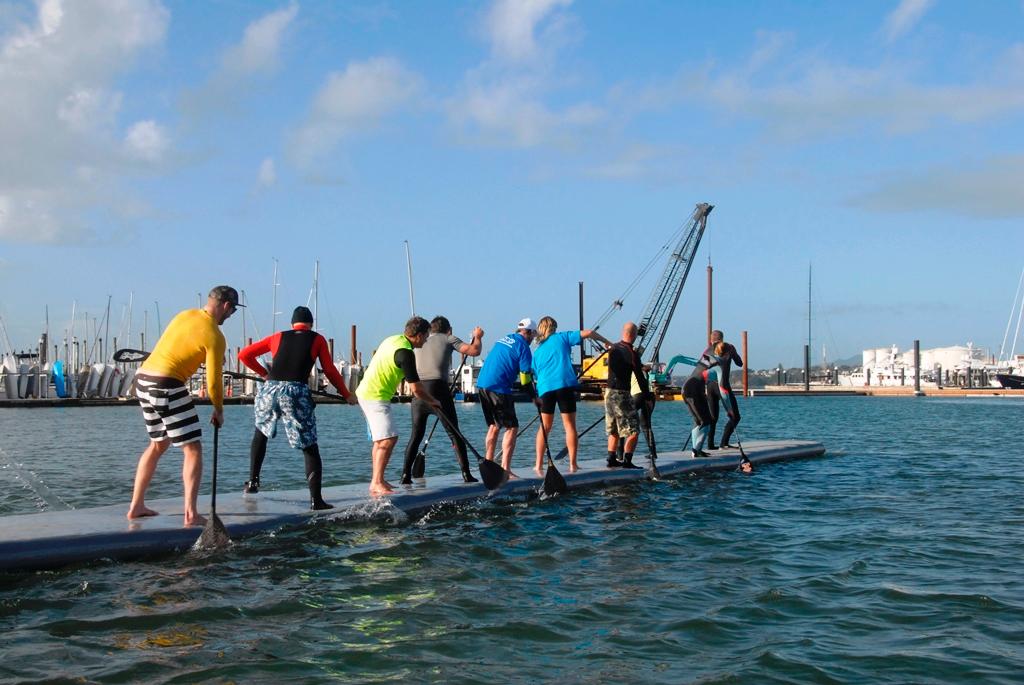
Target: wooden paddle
(214,534)
(491,472)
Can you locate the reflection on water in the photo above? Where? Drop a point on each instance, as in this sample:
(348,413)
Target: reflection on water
(894,559)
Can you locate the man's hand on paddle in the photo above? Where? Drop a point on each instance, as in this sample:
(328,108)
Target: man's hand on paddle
(352,399)
(217,419)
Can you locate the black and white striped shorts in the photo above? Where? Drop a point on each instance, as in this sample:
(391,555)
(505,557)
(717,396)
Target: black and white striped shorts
(168,410)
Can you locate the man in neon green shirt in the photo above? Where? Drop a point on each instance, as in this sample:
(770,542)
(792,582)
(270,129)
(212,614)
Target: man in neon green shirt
(391,363)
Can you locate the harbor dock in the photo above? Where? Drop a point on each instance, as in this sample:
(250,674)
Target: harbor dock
(881,391)
(57,538)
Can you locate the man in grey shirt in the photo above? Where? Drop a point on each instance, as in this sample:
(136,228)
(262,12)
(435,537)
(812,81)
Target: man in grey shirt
(433,364)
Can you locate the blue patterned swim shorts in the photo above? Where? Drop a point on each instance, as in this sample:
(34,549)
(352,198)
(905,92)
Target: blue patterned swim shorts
(293,404)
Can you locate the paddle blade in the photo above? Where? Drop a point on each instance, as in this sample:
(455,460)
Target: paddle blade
(214,535)
(491,474)
(554,482)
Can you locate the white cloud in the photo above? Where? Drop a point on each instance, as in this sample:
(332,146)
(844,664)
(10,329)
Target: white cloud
(258,52)
(990,189)
(353,101)
(502,101)
(257,55)
(61,155)
(906,15)
(147,141)
(797,96)
(267,174)
(511,26)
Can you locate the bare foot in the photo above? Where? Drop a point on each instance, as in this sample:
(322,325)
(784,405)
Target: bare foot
(538,471)
(381,490)
(573,468)
(141,511)
(512,475)
(194,520)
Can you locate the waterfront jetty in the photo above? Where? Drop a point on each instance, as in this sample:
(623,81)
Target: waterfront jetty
(58,538)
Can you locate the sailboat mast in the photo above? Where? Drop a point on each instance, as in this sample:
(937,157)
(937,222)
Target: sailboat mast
(809,305)
(408,264)
(316,292)
(273,306)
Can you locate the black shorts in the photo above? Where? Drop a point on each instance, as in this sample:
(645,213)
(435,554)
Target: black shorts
(499,409)
(565,398)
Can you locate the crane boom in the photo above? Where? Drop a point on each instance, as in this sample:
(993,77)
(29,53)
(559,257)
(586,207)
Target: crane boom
(658,312)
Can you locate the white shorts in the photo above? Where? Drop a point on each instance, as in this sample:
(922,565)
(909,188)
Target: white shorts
(378,419)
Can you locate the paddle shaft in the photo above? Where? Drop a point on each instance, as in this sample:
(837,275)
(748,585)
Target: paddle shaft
(213,494)
(454,429)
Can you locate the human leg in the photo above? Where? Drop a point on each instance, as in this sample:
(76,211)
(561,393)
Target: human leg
(491,441)
(698,410)
(143,475)
(733,409)
(314,477)
(265,411)
(257,452)
(572,439)
(508,446)
(714,396)
(541,441)
(421,413)
(381,455)
(191,474)
(451,426)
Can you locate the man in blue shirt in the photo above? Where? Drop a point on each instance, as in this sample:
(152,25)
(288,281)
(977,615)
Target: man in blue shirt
(509,357)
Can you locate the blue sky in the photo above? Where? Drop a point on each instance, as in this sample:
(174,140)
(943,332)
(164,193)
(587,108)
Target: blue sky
(151,150)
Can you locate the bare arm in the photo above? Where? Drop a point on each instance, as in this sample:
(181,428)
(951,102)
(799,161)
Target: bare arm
(419,391)
(474,346)
(593,334)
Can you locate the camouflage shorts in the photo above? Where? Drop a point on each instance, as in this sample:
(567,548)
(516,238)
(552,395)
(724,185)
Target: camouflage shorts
(292,403)
(620,415)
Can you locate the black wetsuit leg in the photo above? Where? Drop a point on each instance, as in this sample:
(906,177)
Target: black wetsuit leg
(695,396)
(257,453)
(314,477)
(443,394)
(733,409)
(714,397)
(420,414)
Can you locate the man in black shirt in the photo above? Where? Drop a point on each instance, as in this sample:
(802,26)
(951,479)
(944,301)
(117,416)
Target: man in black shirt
(621,419)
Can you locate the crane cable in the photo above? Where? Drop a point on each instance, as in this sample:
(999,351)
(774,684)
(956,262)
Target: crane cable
(618,302)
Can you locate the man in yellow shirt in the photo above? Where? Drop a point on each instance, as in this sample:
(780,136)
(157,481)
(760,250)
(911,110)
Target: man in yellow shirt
(192,337)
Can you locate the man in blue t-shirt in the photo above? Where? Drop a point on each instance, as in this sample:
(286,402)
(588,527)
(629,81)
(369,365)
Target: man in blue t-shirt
(510,357)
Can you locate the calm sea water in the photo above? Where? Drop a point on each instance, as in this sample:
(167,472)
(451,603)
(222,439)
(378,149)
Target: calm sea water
(896,558)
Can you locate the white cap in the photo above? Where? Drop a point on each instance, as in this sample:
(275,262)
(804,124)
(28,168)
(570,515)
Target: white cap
(527,324)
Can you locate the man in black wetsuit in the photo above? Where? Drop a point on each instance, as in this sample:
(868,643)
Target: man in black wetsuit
(719,389)
(433,362)
(621,419)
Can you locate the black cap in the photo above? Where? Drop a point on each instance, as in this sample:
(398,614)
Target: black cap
(225,293)
(302,315)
